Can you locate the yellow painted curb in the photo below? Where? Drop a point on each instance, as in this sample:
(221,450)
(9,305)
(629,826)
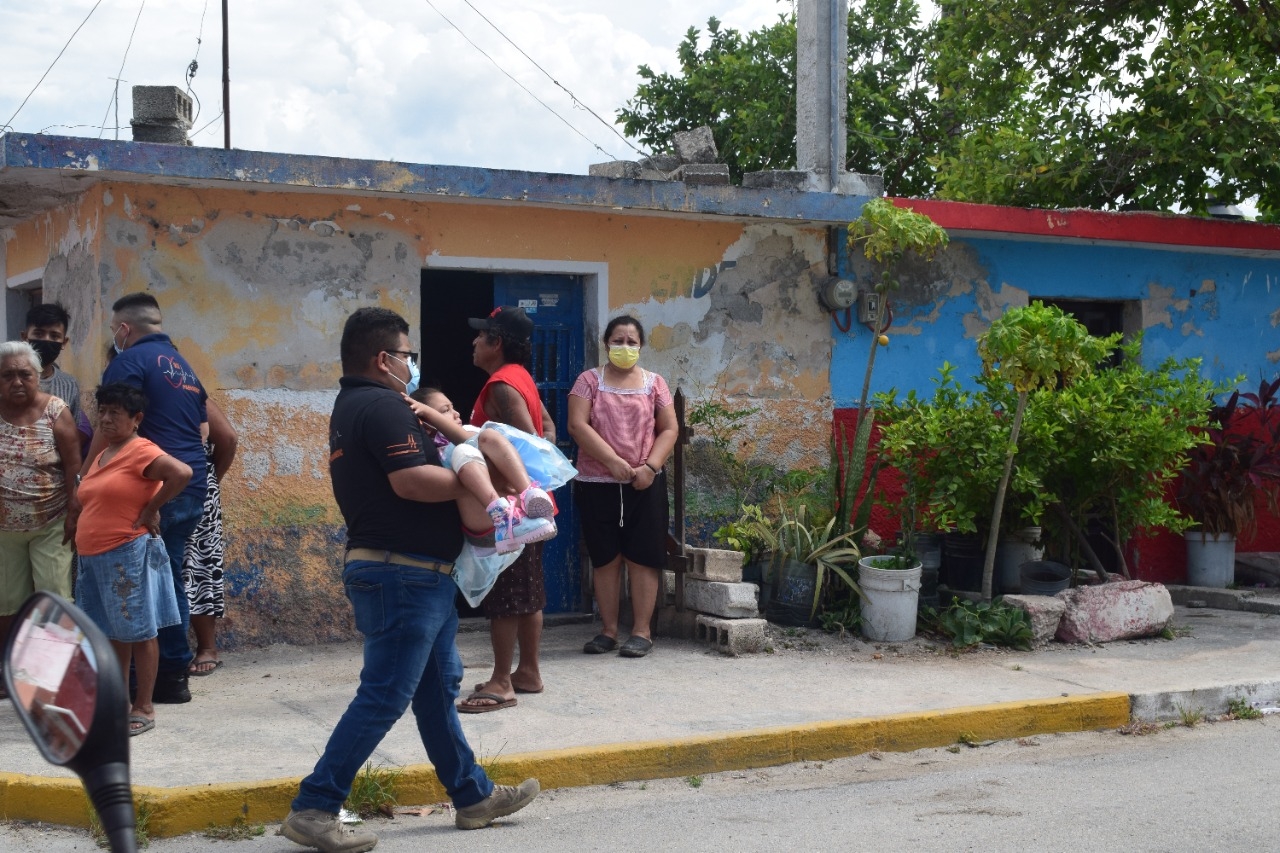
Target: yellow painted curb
(196,807)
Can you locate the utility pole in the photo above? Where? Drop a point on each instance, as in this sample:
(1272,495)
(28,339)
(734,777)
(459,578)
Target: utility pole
(226,80)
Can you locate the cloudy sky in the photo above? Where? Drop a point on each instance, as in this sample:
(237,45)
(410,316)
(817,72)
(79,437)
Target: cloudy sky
(374,79)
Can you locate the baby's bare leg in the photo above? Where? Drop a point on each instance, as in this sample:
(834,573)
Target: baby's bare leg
(503,460)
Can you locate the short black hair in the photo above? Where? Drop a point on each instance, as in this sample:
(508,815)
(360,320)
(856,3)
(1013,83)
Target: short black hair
(122,394)
(624,320)
(367,332)
(134,300)
(48,314)
(141,309)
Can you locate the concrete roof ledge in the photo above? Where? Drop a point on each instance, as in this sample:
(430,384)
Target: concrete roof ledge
(33,168)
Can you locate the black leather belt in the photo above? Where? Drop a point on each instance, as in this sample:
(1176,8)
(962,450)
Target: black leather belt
(377,556)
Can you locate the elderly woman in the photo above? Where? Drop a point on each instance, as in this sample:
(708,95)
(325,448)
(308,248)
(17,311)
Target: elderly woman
(125,584)
(622,418)
(39,461)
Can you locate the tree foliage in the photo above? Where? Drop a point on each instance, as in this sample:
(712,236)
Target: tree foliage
(1131,104)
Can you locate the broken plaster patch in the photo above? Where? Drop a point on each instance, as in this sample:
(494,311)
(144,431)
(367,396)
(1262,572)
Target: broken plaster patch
(1158,307)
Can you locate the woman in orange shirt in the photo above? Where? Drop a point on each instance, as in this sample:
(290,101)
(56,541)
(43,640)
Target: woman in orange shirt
(124,582)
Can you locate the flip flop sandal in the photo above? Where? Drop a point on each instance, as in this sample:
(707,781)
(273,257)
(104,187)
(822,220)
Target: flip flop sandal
(143,724)
(480,687)
(635,647)
(465,706)
(599,645)
(191,670)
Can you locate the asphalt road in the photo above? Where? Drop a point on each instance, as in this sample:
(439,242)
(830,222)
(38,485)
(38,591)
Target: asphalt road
(1199,788)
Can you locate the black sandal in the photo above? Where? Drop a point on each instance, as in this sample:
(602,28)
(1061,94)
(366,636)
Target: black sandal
(600,645)
(636,647)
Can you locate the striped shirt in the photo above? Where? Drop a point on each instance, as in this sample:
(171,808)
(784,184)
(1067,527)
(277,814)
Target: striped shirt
(65,387)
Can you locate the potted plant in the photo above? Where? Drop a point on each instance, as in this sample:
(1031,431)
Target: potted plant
(1236,462)
(755,536)
(1038,346)
(890,585)
(807,558)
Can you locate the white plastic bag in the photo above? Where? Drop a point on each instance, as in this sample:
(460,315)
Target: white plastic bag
(546,465)
(475,576)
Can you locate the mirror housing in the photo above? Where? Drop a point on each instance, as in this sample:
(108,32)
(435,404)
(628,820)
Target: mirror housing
(64,679)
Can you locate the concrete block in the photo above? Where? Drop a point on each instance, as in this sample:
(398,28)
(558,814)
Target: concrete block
(615,169)
(660,162)
(1114,611)
(167,134)
(703,174)
(731,636)
(162,104)
(1045,612)
(676,624)
(714,564)
(696,146)
(734,600)
(777,179)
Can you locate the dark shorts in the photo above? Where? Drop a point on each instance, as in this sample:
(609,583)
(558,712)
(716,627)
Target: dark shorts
(519,590)
(641,537)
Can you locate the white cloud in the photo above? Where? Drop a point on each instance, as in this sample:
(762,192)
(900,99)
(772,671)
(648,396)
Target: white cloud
(359,78)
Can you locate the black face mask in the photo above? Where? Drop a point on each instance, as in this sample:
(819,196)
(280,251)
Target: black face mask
(47,350)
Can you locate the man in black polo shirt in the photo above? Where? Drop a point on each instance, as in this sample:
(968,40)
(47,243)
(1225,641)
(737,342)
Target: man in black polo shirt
(403,534)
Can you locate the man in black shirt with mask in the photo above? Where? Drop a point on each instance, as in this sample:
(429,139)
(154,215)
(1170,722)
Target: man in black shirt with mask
(403,534)
(46,331)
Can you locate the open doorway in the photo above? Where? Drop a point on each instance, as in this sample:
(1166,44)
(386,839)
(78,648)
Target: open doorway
(555,302)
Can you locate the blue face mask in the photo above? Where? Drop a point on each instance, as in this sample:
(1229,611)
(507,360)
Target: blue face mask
(414,375)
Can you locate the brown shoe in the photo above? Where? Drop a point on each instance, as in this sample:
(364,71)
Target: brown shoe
(503,801)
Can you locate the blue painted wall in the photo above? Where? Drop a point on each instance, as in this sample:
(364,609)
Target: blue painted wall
(1222,307)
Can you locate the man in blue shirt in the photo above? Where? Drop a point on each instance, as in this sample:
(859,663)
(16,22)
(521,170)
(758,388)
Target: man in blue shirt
(147,359)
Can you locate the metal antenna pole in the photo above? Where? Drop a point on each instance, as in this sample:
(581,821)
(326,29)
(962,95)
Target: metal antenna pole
(226,80)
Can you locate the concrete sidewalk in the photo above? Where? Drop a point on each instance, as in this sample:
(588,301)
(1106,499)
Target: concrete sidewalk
(257,725)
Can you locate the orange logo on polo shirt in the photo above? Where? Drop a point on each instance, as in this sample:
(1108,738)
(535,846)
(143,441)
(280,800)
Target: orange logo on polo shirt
(410,445)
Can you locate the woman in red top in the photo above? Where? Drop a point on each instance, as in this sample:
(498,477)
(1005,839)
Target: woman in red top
(124,582)
(503,349)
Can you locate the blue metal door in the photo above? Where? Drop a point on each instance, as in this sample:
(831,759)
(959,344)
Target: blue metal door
(554,303)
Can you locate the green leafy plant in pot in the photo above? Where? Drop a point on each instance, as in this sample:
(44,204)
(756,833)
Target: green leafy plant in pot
(1038,346)
(1235,463)
(807,558)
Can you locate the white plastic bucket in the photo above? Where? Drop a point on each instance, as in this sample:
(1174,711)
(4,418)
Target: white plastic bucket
(889,600)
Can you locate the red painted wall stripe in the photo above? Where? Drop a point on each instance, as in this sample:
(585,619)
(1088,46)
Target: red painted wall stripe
(1152,228)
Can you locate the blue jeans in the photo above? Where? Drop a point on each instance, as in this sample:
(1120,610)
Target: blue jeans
(410,625)
(178,520)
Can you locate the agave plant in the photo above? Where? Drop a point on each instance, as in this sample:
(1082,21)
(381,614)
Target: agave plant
(821,546)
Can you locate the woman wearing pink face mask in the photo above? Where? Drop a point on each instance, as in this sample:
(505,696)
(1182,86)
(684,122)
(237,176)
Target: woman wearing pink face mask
(625,426)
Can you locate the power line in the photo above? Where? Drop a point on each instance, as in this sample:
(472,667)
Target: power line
(115,94)
(576,101)
(9,123)
(517,82)
(194,65)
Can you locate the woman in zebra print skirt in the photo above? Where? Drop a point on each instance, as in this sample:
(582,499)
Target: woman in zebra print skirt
(203,560)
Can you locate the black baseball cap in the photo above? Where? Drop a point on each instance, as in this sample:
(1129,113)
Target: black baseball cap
(505,321)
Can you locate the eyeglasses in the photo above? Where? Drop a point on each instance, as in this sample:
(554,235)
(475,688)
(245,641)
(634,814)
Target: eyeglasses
(410,354)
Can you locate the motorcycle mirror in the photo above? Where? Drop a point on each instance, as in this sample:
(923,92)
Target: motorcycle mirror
(64,679)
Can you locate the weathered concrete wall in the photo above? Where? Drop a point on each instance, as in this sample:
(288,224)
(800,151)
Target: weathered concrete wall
(255,288)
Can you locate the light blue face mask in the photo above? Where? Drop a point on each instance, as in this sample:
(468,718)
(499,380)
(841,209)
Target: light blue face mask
(414,376)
